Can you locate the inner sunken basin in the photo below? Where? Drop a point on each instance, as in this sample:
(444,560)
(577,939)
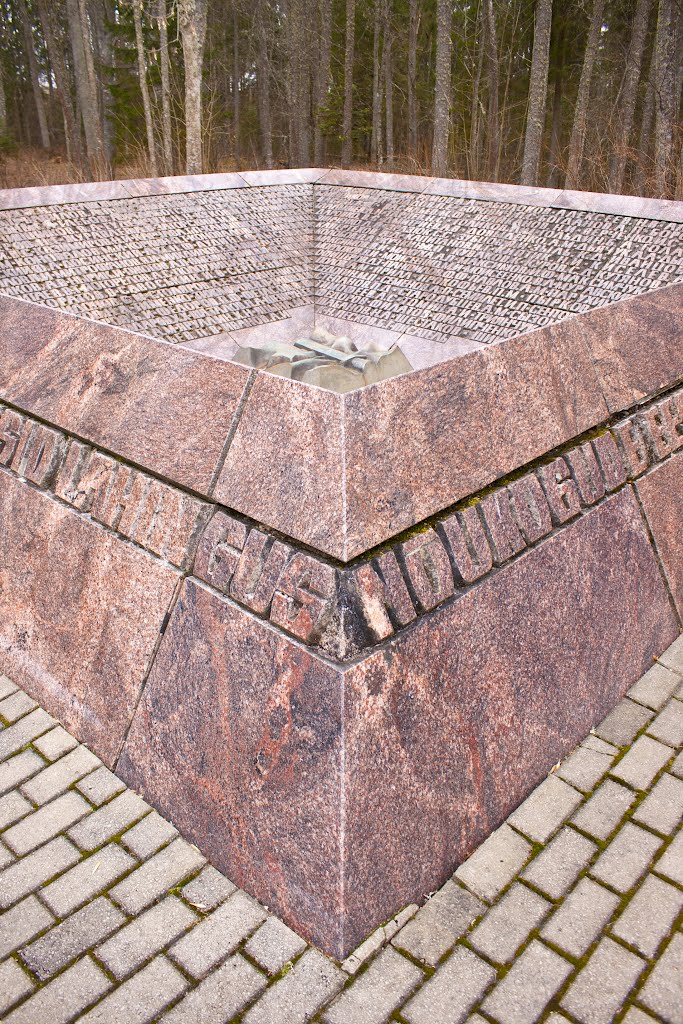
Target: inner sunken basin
(335,508)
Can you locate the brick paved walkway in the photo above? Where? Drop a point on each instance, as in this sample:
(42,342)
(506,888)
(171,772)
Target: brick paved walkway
(572,910)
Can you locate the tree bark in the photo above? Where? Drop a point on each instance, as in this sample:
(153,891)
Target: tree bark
(629,95)
(556,117)
(474,152)
(87,96)
(413,28)
(56,53)
(493,141)
(142,76)
(192,23)
(578,136)
(388,83)
(442,88)
(376,136)
(538,90)
(3,107)
(236,81)
(164,68)
(322,79)
(38,97)
(665,103)
(263,83)
(347,124)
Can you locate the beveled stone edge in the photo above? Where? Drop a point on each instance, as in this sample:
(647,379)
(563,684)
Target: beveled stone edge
(134,188)
(344,612)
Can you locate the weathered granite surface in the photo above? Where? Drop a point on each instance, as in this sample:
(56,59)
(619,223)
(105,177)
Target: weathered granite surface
(661,494)
(80,613)
(292,772)
(162,407)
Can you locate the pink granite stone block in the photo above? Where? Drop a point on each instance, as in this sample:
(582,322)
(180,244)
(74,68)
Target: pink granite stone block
(338,793)
(158,405)
(80,614)
(661,494)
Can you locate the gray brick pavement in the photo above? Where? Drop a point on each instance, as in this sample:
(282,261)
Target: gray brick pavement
(570,912)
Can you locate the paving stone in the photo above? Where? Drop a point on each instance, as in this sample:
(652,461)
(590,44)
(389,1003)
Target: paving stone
(581,917)
(601,746)
(649,915)
(670,864)
(6,857)
(385,985)
(6,687)
(508,924)
(378,939)
(636,1016)
(208,889)
(16,736)
(601,987)
(54,779)
(19,768)
(452,991)
(67,940)
(22,923)
(495,863)
(655,687)
(218,935)
(146,935)
(623,723)
(141,998)
(642,762)
(668,725)
(602,812)
(15,707)
(545,809)
(438,925)
(55,743)
(87,879)
(15,984)
(584,768)
(149,835)
(13,806)
(663,990)
(46,823)
(100,785)
(556,867)
(31,871)
(273,945)
(109,820)
(677,766)
(220,996)
(165,870)
(662,809)
(295,998)
(64,997)
(673,656)
(626,858)
(528,987)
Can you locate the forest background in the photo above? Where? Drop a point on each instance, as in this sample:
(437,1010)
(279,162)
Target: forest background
(574,93)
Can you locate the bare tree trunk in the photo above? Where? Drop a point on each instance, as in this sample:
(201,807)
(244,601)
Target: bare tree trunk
(87,96)
(389,83)
(263,83)
(493,148)
(376,136)
(102,16)
(578,136)
(665,79)
(322,79)
(556,120)
(166,129)
(474,153)
(538,90)
(38,97)
(347,124)
(55,50)
(644,138)
(192,22)
(3,107)
(413,27)
(442,88)
(236,81)
(629,95)
(142,76)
